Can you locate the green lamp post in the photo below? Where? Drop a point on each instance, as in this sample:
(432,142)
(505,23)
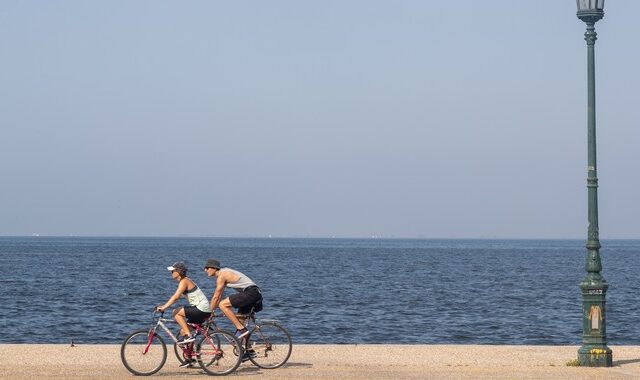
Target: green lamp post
(594,351)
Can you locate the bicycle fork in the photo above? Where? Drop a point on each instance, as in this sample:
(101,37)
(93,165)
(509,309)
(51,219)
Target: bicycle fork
(150,336)
(216,350)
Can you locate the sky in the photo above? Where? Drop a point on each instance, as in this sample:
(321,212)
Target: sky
(396,119)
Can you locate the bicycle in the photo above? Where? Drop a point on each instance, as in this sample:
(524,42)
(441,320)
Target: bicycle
(268,344)
(144,352)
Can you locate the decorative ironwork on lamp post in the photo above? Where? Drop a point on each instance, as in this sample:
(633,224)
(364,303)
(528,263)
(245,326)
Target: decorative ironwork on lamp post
(594,351)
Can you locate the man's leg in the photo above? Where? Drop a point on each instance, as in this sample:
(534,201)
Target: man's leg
(227,310)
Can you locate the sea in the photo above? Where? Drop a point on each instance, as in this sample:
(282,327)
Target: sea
(324,291)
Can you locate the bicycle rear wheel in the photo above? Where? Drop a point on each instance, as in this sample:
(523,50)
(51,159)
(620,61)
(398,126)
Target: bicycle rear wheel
(143,354)
(269,345)
(219,352)
(180,353)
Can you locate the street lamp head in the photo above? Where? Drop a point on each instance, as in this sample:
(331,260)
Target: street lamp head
(590,11)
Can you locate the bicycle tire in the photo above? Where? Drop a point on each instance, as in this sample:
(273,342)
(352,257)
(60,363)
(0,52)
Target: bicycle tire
(219,352)
(134,357)
(269,345)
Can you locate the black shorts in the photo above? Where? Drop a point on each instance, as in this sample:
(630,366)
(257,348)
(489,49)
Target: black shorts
(246,299)
(195,315)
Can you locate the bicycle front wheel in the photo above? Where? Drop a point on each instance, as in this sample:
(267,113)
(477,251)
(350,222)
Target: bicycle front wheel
(143,354)
(219,352)
(269,345)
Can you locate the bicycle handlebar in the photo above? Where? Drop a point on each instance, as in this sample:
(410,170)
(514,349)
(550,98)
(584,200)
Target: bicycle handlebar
(156,315)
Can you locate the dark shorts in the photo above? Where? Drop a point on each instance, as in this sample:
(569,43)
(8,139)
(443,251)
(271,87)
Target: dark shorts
(247,299)
(195,315)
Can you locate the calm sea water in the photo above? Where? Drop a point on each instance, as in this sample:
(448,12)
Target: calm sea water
(97,290)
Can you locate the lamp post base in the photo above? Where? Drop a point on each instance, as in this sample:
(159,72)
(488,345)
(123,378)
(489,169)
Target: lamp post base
(595,356)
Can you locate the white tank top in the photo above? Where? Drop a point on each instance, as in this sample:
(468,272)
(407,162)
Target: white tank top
(197,298)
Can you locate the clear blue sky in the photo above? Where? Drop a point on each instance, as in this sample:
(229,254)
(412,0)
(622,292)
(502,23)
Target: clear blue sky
(327,118)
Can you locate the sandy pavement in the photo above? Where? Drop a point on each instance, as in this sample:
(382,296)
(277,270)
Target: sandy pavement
(22,361)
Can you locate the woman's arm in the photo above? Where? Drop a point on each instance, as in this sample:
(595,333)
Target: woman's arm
(182,286)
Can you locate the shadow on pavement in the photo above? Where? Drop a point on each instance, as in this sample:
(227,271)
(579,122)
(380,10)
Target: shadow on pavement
(253,370)
(622,362)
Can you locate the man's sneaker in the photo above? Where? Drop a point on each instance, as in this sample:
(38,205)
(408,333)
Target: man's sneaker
(249,354)
(186,339)
(241,333)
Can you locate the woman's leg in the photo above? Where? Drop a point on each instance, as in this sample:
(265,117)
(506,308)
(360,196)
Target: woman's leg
(181,318)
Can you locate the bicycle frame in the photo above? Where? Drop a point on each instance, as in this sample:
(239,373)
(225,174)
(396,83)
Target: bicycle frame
(266,337)
(187,349)
(248,320)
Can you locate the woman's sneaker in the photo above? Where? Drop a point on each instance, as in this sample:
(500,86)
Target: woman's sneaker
(188,363)
(186,339)
(241,333)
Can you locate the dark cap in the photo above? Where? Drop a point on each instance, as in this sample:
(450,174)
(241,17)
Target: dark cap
(211,263)
(179,267)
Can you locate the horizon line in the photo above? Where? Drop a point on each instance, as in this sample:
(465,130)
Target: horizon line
(372,237)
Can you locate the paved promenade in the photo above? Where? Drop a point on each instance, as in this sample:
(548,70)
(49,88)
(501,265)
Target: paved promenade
(335,362)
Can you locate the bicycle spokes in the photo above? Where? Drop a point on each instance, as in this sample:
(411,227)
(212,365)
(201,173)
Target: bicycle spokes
(143,353)
(270,345)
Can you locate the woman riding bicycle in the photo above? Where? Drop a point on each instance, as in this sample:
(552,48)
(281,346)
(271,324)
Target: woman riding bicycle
(198,310)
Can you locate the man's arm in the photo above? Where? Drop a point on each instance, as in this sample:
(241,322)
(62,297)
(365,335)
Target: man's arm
(221,283)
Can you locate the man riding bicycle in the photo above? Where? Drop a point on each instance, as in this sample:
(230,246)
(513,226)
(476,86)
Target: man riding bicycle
(248,294)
